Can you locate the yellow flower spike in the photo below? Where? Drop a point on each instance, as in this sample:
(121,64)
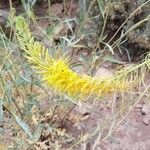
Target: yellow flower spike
(56,72)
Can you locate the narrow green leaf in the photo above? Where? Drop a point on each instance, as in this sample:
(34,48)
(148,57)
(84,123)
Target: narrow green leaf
(109,48)
(1,110)
(24,126)
(37,133)
(101,5)
(113,60)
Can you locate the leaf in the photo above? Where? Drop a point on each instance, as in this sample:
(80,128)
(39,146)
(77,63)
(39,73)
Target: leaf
(113,60)
(83,11)
(37,133)
(101,5)
(50,30)
(109,47)
(1,110)
(23,125)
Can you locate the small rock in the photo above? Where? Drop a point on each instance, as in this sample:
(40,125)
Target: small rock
(107,64)
(3,21)
(85,52)
(3,15)
(146,109)
(146,119)
(56,9)
(103,72)
(139,106)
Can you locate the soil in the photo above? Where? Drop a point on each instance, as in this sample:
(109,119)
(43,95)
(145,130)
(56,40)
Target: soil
(133,133)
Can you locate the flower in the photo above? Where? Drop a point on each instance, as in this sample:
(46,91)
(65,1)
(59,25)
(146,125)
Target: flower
(56,72)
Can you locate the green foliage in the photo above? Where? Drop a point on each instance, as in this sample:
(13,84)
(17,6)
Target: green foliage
(37,117)
(1,110)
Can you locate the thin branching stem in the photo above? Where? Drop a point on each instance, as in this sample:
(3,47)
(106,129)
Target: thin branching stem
(127,20)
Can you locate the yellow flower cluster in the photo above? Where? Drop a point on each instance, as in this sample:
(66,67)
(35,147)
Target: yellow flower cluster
(56,72)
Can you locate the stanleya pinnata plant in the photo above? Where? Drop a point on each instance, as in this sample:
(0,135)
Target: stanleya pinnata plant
(57,72)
